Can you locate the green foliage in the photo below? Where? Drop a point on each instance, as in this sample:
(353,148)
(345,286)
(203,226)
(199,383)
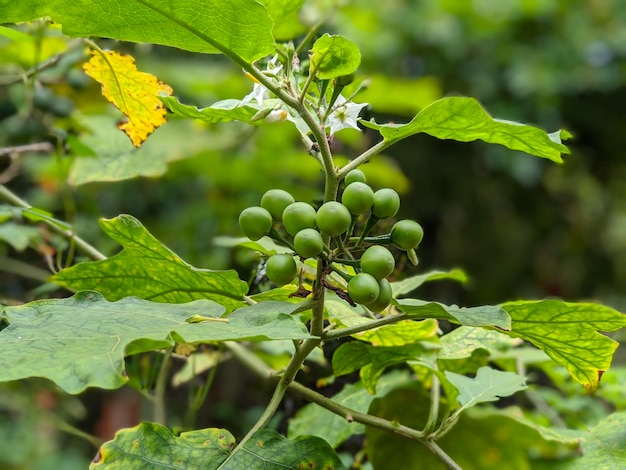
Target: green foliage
(147,269)
(426,370)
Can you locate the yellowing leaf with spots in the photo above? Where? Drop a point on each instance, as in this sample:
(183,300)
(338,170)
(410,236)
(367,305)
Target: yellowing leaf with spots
(133,92)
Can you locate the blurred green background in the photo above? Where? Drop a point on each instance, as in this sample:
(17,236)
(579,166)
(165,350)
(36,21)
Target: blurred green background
(521,227)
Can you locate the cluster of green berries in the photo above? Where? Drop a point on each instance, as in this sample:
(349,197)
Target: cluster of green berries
(328,234)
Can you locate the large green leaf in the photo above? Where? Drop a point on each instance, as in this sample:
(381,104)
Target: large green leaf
(461,342)
(147,269)
(81,341)
(569,334)
(488,385)
(317,421)
(487,315)
(465,120)
(152,446)
(287,25)
(208,26)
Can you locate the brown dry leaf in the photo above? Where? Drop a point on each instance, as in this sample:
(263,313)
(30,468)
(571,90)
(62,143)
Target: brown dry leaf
(134,93)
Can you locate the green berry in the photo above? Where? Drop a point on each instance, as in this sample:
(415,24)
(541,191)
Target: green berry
(298,216)
(281,269)
(378,261)
(333,218)
(358,198)
(275,201)
(384,296)
(354,176)
(363,288)
(407,234)
(308,243)
(255,222)
(386,203)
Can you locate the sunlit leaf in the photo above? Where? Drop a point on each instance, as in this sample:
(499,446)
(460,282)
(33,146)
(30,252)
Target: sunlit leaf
(465,120)
(401,333)
(463,341)
(285,15)
(134,93)
(242,27)
(334,56)
(149,270)
(569,334)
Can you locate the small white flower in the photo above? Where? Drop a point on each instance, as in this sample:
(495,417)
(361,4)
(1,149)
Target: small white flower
(258,93)
(344,115)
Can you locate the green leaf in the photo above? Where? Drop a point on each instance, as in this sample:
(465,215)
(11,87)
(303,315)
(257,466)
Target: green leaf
(465,120)
(487,315)
(222,111)
(374,360)
(401,333)
(150,445)
(464,340)
(569,334)
(334,56)
(411,283)
(488,385)
(604,446)
(317,421)
(287,25)
(103,153)
(81,341)
(147,269)
(242,27)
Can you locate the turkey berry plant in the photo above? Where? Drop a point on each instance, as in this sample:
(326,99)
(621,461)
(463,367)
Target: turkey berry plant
(334,265)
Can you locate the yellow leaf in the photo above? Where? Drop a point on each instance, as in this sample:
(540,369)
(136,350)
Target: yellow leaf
(134,93)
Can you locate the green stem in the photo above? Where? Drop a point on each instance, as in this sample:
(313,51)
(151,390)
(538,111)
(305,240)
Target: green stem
(439,452)
(433,413)
(81,244)
(343,332)
(160,415)
(68,428)
(281,387)
(365,156)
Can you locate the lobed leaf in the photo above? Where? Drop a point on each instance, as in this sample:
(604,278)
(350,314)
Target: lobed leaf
(461,342)
(569,334)
(81,341)
(239,27)
(133,92)
(465,120)
(147,269)
(152,446)
(488,385)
